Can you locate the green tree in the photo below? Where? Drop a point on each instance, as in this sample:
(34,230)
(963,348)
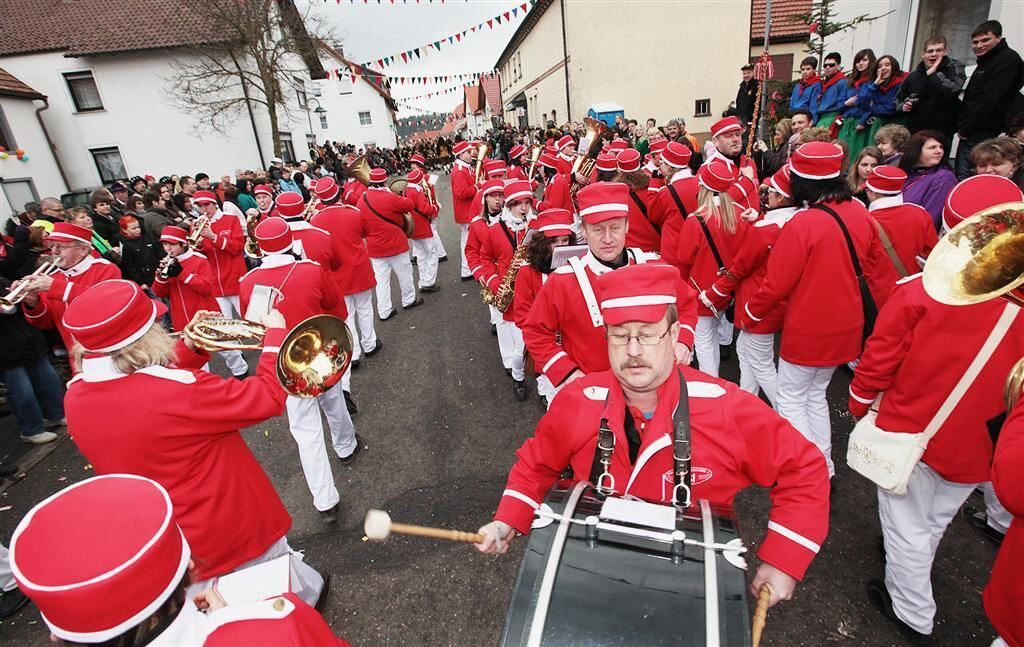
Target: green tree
(821,23)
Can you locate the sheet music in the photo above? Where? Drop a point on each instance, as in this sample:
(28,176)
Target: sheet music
(261,301)
(256,583)
(561,255)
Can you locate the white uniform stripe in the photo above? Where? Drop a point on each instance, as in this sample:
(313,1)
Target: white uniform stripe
(795,537)
(559,355)
(522,497)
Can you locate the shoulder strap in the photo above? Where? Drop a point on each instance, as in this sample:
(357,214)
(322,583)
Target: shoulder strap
(887,244)
(508,234)
(846,235)
(711,243)
(639,203)
(366,199)
(588,291)
(679,203)
(638,255)
(681,474)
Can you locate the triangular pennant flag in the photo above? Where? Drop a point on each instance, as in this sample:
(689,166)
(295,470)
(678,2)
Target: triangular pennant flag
(506,15)
(458,37)
(490,24)
(405,59)
(437,45)
(380,62)
(515,11)
(417,50)
(450,38)
(523,6)
(497,19)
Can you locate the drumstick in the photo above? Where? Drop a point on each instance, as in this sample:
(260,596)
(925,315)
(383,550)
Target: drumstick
(764,596)
(378,526)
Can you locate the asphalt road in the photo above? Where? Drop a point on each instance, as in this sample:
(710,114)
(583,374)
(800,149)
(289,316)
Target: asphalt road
(441,427)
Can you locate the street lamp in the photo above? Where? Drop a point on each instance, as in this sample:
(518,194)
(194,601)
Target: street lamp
(319,110)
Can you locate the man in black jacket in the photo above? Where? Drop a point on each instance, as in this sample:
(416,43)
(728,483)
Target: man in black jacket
(930,95)
(746,96)
(990,92)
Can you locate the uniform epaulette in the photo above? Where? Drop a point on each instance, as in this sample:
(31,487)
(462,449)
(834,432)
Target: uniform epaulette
(565,269)
(704,390)
(599,393)
(908,279)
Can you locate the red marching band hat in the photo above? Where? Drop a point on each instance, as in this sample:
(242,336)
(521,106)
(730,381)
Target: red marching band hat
(676,155)
(326,188)
(516,151)
(290,204)
(717,175)
(100,557)
(415,176)
(494,167)
(274,236)
(975,194)
(565,140)
(491,186)
(460,147)
(548,160)
(817,161)
(629,160)
(66,232)
(657,147)
(780,182)
(641,292)
(606,162)
(887,180)
(416,158)
(171,234)
(263,188)
(553,222)
(602,201)
(726,125)
(378,175)
(517,190)
(618,145)
(200,197)
(111,315)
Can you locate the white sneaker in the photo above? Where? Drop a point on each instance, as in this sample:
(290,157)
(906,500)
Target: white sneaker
(40,438)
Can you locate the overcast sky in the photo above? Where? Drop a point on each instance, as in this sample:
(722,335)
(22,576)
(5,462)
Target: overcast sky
(371,31)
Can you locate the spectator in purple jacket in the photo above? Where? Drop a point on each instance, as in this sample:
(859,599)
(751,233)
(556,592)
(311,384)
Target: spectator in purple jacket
(929,178)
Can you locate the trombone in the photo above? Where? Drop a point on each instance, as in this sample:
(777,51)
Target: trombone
(313,357)
(9,302)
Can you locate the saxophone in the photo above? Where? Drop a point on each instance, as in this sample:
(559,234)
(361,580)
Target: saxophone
(507,288)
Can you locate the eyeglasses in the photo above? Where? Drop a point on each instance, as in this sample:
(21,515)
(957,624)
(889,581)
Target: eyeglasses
(644,339)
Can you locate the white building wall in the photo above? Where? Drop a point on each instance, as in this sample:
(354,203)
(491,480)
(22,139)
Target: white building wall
(40,167)
(154,136)
(529,69)
(344,100)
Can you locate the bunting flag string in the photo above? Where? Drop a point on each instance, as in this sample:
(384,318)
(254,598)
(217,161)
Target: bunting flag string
(417,53)
(434,93)
(391,82)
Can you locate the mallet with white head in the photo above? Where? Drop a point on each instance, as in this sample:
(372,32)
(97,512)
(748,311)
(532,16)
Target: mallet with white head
(378,527)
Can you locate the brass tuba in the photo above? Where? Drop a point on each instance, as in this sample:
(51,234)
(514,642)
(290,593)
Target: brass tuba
(481,156)
(359,168)
(584,164)
(312,359)
(252,248)
(398,187)
(535,151)
(980,259)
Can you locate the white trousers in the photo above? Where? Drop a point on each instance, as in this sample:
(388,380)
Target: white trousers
(305,581)
(360,314)
(756,353)
(999,518)
(7,581)
(230,307)
(438,245)
(912,526)
(707,344)
(308,431)
(512,348)
(462,243)
(426,260)
(800,399)
(402,267)
(726,331)
(506,344)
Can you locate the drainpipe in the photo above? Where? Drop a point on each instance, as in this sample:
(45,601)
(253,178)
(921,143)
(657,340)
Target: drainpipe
(565,57)
(49,142)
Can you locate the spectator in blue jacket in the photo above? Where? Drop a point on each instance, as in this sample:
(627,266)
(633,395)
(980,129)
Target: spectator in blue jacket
(806,92)
(877,99)
(863,73)
(833,91)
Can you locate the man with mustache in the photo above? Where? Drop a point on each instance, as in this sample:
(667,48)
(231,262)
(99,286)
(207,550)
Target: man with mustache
(735,439)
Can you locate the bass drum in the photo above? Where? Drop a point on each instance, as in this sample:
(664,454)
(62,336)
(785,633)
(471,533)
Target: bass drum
(620,572)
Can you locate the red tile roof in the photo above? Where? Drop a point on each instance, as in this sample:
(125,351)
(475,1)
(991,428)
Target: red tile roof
(474,99)
(492,92)
(373,78)
(786,27)
(12,87)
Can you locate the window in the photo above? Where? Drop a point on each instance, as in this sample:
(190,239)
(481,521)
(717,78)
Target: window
(6,136)
(345,85)
(287,150)
(317,91)
(702,108)
(300,93)
(310,140)
(84,93)
(109,164)
(323,121)
(18,192)
(364,119)
(954,21)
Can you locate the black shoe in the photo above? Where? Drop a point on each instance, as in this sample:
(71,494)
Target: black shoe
(355,363)
(544,401)
(390,314)
(350,404)
(494,330)
(7,469)
(468,278)
(417,302)
(413,261)
(376,349)
(351,457)
(978,520)
(11,602)
(508,372)
(442,259)
(430,288)
(243,375)
(321,601)
(519,389)
(725,353)
(330,515)
(882,601)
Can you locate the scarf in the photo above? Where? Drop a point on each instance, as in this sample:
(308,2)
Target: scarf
(513,223)
(893,82)
(832,80)
(809,82)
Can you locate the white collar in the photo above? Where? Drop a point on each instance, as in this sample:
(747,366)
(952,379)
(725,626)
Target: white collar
(513,223)
(778,217)
(681,174)
(564,156)
(190,627)
(102,369)
(886,202)
(277,260)
(459,162)
(189,253)
(81,267)
(597,267)
(216,216)
(414,186)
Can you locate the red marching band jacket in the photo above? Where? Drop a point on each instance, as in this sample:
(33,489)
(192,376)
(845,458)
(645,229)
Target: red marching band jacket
(496,250)
(190,291)
(666,214)
(354,189)
(748,269)
(1005,589)
(345,226)
(694,259)
(910,229)
(478,231)
(810,268)
(564,309)
(736,442)
(184,425)
(67,286)
(528,283)
(306,288)
(642,232)
(384,234)
(463,191)
(423,213)
(918,352)
(225,254)
(557,194)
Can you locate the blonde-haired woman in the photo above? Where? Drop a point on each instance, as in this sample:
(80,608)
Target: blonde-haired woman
(867,159)
(709,239)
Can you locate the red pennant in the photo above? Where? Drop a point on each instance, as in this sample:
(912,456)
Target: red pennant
(506,15)
(458,37)
(490,24)
(405,59)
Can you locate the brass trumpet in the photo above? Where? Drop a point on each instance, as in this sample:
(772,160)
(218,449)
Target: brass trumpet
(312,358)
(195,237)
(165,265)
(9,302)
(535,151)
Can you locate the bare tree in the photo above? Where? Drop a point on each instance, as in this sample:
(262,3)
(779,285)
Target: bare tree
(247,53)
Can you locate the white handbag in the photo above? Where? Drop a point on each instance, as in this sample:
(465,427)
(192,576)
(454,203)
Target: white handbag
(887,458)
